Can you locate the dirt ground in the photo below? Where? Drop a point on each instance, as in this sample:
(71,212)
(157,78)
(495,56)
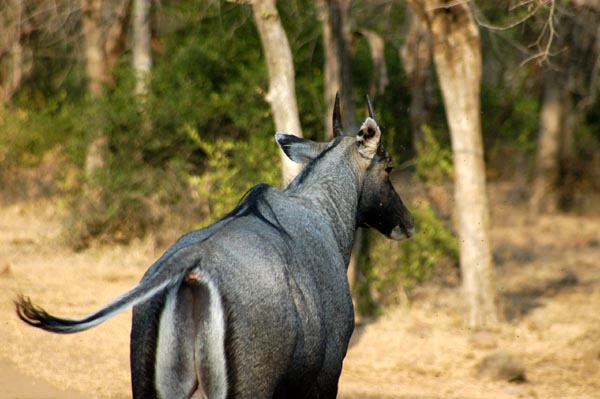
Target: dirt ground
(548,276)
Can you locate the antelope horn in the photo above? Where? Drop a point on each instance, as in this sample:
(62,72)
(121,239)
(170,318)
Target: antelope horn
(370,106)
(338,129)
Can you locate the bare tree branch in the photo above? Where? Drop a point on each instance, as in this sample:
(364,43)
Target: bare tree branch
(545,39)
(482,23)
(521,4)
(447,5)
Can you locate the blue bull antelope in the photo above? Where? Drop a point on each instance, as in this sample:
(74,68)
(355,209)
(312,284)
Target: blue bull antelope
(257,305)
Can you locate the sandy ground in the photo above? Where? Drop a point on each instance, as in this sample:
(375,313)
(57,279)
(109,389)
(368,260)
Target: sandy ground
(548,274)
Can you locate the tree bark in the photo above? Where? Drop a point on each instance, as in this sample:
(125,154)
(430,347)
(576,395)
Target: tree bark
(142,52)
(116,35)
(15,58)
(97,75)
(334,16)
(567,153)
(340,11)
(16,65)
(282,90)
(457,56)
(103,45)
(417,62)
(379,76)
(332,67)
(95,61)
(544,195)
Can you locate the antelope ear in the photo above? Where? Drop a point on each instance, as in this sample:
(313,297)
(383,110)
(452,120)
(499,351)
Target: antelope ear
(298,149)
(368,138)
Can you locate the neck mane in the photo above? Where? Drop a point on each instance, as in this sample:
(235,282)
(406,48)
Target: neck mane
(332,183)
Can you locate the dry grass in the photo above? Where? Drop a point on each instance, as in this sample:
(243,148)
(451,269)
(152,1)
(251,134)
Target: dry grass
(548,274)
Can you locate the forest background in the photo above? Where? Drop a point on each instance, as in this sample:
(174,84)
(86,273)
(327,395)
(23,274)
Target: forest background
(124,153)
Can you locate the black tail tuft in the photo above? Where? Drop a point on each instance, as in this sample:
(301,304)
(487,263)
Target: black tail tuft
(38,317)
(28,312)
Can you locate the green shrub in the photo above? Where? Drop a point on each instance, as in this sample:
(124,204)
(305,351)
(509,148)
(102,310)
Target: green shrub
(152,160)
(433,163)
(141,182)
(392,267)
(27,134)
(231,168)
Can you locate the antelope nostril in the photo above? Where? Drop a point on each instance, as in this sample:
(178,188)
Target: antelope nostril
(400,232)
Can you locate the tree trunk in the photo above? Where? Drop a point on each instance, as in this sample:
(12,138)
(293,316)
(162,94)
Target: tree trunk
(103,44)
(568,164)
(97,75)
(417,63)
(15,58)
(379,76)
(16,66)
(282,90)
(116,35)
(340,11)
(142,52)
(332,67)
(544,194)
(457,56)
(338,69)
(95,61)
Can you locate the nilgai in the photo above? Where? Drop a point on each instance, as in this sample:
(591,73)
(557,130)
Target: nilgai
(257,305)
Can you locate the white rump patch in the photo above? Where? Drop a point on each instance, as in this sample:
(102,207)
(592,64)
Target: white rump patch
(190,353)
(170,366)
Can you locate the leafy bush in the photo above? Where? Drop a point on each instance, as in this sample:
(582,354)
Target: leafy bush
(231,169)
(433,163)
(392,267)
(36,150)
(121,204)
(28,133)
(152,161)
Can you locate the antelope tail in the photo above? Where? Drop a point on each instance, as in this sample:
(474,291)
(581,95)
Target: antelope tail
(165,273)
